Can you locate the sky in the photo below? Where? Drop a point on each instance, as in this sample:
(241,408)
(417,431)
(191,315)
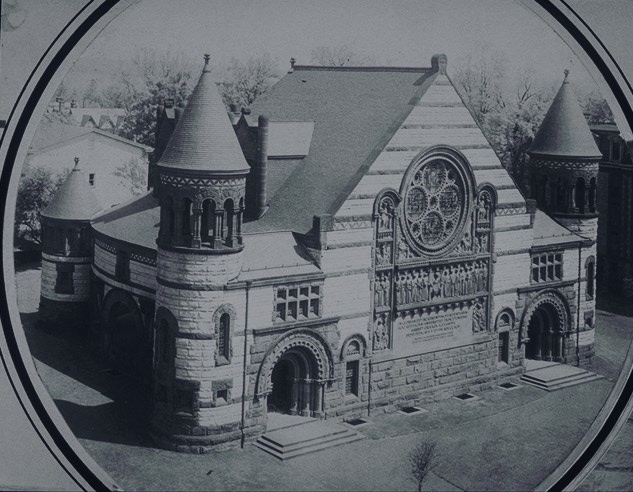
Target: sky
(396,32)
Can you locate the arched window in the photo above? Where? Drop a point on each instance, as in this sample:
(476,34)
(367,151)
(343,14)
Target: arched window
(186,220)
(168,217)
(223,335)
(579,195)
(590,267)
(353,351)
(223,320)
(229,211)
(208,220)
(592,195)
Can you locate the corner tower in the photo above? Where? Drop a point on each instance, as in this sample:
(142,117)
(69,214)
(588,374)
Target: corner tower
(202,174)
(564,165)
(67,253)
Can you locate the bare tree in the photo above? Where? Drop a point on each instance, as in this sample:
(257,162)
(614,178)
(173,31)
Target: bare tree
(421,460)
(133,174)
(246,80)
(339,56)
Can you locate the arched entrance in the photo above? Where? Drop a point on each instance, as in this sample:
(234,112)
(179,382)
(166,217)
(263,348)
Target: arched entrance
(545,325)
(125,344)
(295,390)
(294,374)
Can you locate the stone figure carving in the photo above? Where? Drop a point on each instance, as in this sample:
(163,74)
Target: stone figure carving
(479,318)
(484,207)
(438,282)
(385,214)
(383,254)
(381,333)
(381,288)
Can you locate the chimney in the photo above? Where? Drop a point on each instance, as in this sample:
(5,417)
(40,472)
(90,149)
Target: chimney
(179,110)
(169,102)
(60,103)
(262,165)
(246,111)
(438,63)
(73,103)
(292,64)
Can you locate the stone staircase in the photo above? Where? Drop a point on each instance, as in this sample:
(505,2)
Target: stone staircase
(309,437)
(553,376)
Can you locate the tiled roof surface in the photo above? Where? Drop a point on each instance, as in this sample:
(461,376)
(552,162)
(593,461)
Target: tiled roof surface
(274,255)
(548,232)
(136,221)
(74,200)
(355,113)
(54,133)
(564,131)
(291,138)
(203,139)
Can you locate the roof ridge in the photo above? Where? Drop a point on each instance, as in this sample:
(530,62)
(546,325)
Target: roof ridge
(369,68)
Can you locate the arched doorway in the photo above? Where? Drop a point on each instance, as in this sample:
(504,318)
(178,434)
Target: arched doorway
(125,344)
(295,389)
(546,333)
(293,376)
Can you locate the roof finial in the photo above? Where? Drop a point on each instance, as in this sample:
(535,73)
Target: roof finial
(76,163)
(292,64)
(206,68)
(566,72)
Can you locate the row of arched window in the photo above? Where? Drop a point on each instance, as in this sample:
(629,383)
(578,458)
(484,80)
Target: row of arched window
(211,226)
(66,241)
(560,195)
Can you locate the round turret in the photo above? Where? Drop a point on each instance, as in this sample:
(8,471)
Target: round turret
(67,253)
(564,165)
(202,174)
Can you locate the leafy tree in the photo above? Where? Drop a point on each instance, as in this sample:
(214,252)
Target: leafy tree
(36,189)
(339,56)
(247,80)
(91,97)
(597,110)
(133,175)
(156,77)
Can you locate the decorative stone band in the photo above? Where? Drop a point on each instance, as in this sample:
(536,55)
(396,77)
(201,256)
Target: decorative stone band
(205,188)
(134,255)
(510,209)
(305,339)
(458,304)
(566,165)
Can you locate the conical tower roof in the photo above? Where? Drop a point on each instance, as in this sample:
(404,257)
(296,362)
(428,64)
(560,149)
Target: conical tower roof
(204,139)
(564,131)
(74,200)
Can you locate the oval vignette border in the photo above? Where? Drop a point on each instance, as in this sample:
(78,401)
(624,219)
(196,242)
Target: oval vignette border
(56,61)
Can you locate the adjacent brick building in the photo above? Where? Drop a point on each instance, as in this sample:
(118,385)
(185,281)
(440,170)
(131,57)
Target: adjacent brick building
(350,244)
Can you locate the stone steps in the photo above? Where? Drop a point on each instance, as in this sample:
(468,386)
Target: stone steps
(559,376)
(302,439)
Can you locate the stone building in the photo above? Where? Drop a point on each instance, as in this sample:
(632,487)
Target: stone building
(349,244)
(615,241)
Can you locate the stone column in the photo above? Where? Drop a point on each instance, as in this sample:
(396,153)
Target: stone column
(196,240)
(561,344)
(538,343)
(305,393)
(319,390)
(177,232)
(294,396)
(218,233)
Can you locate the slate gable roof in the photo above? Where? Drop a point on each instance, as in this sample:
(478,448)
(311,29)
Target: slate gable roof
(355,111)
(564,131)
(74,200)
(203,139)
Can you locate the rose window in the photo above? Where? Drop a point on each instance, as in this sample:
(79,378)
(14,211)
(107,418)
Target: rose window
(435,206)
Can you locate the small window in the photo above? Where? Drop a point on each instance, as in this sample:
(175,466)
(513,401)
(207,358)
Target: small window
(351,378)
(222,397)
(615,151)
(64,282)
(122,268)
(91,179)
(183,402)
(163,342)
(547,267)
(591,278)
(223,337)
(297,303)
(504,346)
